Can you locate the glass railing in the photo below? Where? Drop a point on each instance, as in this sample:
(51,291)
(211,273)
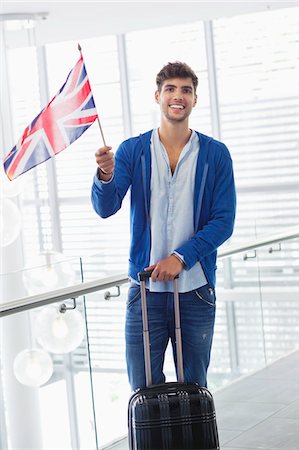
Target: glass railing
(46,385)
(79,391)
(258,293)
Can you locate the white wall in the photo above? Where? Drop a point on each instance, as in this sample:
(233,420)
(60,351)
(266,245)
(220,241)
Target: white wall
(61,21)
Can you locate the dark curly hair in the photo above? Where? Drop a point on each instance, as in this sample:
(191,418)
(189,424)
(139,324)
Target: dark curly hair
(176,69)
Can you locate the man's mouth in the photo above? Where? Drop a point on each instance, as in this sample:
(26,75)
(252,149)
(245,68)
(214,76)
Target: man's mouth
(176,106)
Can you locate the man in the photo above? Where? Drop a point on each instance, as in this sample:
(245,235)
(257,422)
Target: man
(182,210)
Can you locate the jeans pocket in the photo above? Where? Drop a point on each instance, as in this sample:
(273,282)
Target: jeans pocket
(206,294)
(133,294)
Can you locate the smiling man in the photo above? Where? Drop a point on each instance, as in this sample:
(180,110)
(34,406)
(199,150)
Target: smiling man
(182,210)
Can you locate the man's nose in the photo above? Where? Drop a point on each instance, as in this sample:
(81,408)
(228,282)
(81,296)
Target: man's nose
(178,95)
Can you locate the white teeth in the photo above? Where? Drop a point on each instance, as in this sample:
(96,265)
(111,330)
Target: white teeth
(177,106)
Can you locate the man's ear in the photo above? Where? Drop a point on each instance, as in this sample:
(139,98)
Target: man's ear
(157,96)
(195,100)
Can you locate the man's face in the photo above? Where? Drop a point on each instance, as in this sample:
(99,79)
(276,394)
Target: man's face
(176,99)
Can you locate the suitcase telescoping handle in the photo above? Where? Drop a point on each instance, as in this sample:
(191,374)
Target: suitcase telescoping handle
(143,276)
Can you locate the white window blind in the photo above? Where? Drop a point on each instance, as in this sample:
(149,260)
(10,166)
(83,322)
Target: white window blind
(257,73)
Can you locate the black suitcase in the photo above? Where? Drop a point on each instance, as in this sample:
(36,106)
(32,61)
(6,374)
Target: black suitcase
(173,415)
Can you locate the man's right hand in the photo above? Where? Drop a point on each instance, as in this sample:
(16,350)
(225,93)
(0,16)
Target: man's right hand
(105,161)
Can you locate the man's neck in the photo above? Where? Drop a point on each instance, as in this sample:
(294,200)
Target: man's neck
(174,135)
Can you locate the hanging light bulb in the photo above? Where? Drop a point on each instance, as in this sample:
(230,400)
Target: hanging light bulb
(49,271)
(50,277)
(59,327)
(33,367)
(59,332)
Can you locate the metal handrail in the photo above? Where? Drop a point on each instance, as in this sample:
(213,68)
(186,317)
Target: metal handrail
(88,287)
(57,295)
(289,233)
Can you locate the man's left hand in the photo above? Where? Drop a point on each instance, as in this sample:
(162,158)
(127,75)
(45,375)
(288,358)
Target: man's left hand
(166,269)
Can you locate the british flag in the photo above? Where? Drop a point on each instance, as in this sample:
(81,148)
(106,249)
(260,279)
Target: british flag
(60,123)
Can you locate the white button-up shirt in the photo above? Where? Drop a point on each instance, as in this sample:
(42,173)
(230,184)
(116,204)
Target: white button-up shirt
(171,210)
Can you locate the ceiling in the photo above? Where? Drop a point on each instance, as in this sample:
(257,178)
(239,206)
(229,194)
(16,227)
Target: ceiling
(68,20)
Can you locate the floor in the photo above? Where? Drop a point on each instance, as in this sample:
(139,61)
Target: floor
(260,411)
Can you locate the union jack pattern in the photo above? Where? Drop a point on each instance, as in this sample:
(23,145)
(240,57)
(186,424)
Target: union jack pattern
(61,122)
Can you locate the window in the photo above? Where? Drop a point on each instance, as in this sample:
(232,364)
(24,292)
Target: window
(257,73)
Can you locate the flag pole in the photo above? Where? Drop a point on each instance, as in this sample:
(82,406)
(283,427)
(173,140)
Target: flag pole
(100,126)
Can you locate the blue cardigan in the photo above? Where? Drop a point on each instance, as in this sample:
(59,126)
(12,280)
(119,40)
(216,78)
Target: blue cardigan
(214,201)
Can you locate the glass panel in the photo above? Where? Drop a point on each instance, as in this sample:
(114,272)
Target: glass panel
(46,381)
(49,271)
(279,272)
(105,322)
(238,346)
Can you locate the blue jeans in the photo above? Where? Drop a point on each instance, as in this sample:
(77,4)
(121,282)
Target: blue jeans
(197,309)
